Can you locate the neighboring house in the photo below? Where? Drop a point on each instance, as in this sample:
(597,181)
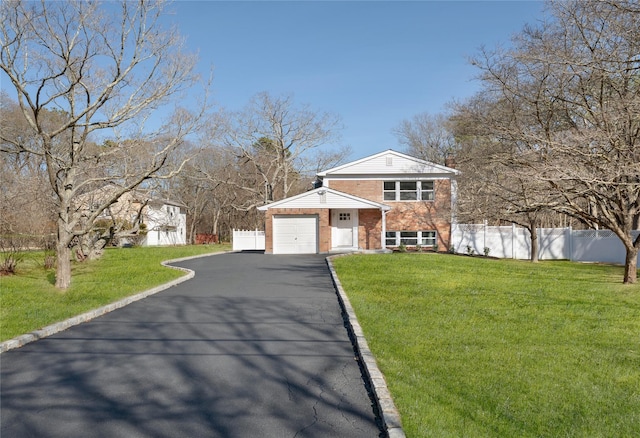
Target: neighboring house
(165,222)
(375,203)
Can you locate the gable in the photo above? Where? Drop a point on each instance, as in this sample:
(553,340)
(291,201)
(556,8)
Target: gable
(324,197)
(389,162)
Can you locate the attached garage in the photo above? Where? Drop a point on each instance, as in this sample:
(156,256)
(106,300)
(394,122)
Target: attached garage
(303,224)
(295,234)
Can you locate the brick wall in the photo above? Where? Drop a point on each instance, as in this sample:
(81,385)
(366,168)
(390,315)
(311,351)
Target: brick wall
(425,216)
(404,216)
(368,189)
(369,229)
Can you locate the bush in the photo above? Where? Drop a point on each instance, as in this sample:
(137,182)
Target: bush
(12,252)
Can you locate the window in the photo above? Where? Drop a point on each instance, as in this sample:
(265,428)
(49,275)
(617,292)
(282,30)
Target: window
(410,238)
(427,191)
(428,238)
(389,190)
(344,217)
(408,191)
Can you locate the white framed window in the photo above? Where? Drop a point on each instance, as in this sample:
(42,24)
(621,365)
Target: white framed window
(427,192)
(344,216)
(428,238)
(410,238)
(389,190)
(408,191)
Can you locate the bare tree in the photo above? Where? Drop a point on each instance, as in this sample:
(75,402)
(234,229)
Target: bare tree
(106,68)
(494,185)
(572,88)
(25,207)
(427,136)
(202,187)
(274,141)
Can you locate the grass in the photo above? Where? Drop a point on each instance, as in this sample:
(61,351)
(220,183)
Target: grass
(30,300)
(475,347)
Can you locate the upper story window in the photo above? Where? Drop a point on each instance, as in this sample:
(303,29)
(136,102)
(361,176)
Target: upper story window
(408,191)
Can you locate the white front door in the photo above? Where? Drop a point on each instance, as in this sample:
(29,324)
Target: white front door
(345,228)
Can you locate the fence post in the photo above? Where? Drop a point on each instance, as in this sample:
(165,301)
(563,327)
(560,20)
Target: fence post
(484,235)
(570,243)
(513,238)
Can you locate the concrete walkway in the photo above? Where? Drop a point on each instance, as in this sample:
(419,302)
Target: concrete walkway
(253,346)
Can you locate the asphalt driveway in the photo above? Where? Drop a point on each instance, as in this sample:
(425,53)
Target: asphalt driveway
(253,346)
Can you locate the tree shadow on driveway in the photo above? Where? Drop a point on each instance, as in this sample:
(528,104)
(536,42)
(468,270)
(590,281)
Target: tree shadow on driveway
(231,353)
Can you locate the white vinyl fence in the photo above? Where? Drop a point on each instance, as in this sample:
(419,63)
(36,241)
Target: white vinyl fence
(553,243)
(244,240)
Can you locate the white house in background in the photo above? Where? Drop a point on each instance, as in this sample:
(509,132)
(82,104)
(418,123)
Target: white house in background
(162,222)
(166,223)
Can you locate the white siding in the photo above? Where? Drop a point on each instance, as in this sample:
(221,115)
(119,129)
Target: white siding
(320,198)
(389,163)
(165,226)
(378,165)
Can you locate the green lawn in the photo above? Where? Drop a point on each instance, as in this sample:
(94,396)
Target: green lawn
(29,300)
(475,347)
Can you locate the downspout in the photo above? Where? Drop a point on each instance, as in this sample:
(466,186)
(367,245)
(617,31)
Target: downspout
(383,236)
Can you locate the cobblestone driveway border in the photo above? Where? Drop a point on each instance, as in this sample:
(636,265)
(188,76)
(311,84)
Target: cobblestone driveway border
(387,408)
(52,329)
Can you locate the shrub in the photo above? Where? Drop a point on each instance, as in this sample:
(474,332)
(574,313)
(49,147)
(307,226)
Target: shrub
(12,252)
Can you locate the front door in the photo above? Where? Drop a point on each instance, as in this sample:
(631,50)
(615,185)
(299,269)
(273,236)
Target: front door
(344,228)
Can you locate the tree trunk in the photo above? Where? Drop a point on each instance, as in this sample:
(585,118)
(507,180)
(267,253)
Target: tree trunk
(630,266)
(191,237)
(216,221)
(63,268)
(63,251)
(534,244)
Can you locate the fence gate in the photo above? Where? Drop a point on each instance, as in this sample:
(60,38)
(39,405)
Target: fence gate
(246,240)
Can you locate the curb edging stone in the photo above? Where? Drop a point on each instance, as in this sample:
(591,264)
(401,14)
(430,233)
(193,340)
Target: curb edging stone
(389,413)
(57,327)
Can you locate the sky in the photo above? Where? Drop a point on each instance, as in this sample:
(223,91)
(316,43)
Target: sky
(373,63)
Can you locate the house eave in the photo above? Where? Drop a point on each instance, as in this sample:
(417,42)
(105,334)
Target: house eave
(352,201)
(421,165)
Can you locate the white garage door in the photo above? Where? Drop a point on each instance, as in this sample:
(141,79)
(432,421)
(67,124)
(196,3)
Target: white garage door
(295,234)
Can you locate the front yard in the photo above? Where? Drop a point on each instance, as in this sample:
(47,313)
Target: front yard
(29,300)
(480,347)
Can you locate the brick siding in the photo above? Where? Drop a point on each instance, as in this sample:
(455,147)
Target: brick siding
(367,189)
(369,229)
(404,216)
